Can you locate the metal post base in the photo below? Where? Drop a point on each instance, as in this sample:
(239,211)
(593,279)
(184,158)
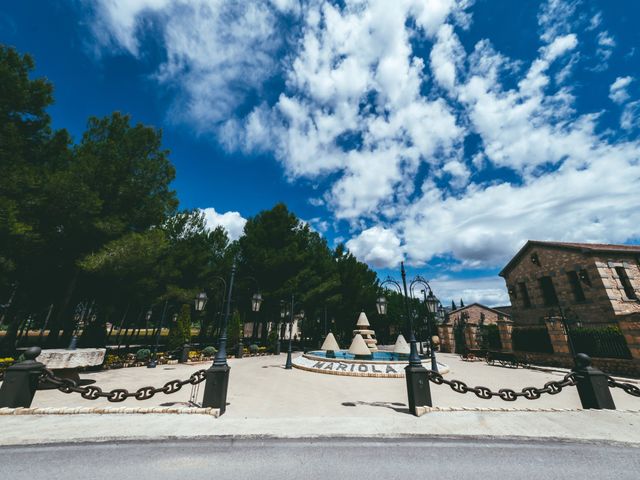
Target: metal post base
(215,387)
(21,381)
(592,385)
(418,388)
(288,365)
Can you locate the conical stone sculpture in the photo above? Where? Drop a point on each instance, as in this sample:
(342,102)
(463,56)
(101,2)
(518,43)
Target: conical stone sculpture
(401,346)
(330,345)
(359,348)
(368,335)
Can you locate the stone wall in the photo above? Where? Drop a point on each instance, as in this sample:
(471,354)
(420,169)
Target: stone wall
(613,366)
(604,295)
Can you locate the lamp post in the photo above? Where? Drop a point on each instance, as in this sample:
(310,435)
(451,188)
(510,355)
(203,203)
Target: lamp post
(217,376)
(288,365)
(431,301)
(416,375)
(154,360)
(565,325)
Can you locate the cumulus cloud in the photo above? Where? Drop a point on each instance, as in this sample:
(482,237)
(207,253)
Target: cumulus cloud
(377,246)
(386,123)
(490,291)
(232,222)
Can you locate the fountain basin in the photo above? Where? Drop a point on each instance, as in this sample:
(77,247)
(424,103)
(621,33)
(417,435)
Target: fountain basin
(379,364)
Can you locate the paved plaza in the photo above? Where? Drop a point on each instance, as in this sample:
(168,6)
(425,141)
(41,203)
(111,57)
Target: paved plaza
(260,387)
(265,400)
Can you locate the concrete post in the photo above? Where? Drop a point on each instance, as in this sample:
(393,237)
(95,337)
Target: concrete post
(557,335)
(505,328)
(630,328)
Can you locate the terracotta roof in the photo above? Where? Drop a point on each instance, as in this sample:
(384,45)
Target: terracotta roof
(482,306)
(583,247)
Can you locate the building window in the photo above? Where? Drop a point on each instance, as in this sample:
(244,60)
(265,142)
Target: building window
(576,287)
(626,283)
(548,292)
(524,293)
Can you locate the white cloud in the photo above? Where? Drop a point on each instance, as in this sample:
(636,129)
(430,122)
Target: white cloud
(385,124)
(377,246)
(618,89)
(217,52)
(490,291)
(232,222)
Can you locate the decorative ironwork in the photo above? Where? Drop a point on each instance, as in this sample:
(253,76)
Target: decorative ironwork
(93,392)
(506,394)
(627,387)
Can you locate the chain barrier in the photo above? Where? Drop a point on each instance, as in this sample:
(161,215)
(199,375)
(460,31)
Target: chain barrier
(627,387)
(92,392)
(506,394)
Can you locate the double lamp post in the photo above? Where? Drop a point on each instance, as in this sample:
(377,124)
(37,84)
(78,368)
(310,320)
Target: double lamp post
(416,375)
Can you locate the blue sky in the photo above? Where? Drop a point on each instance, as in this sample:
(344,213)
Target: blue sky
(442,132)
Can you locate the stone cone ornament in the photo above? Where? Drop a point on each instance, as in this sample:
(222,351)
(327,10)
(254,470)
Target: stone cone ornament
(363,321)
(330,344)
(358,347)
(401,346)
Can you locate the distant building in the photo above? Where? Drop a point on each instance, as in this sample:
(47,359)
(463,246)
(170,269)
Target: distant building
(477,314)
(598,282)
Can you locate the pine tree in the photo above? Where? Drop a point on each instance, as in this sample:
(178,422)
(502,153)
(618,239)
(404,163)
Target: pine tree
(453,305)
(461,303)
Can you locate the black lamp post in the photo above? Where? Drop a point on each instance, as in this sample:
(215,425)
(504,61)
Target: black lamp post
(217,376)
(431,302)
(288,365)
(154,360)
(565,325)
(416,375)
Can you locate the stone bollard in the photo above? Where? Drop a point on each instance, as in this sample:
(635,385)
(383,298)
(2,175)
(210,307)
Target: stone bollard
(21,381)
(418,388)
(592,385)
(184,357)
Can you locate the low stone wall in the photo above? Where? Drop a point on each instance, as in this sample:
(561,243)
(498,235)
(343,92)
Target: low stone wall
(615,366)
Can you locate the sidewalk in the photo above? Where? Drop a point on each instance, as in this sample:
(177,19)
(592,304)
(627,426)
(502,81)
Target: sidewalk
(266,400)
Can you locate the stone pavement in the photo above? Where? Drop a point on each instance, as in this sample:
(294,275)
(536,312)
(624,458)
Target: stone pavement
(266,400)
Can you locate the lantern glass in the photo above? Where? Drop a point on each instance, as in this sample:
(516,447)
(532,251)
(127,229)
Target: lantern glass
(432,302)
(256,301)
(201,301)
(381,305)
(148,315)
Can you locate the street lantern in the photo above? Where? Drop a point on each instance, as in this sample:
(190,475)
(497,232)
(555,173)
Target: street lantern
(381,305)
(256,301)
(201,301)
(147,317)
(432,302)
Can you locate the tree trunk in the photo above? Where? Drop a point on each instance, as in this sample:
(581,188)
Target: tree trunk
(63,317)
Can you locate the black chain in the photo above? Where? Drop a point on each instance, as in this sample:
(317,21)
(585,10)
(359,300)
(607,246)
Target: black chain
(93,392)
(506,394)
(627,387)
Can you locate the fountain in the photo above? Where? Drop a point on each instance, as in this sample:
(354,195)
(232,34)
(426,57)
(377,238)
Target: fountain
(362,359)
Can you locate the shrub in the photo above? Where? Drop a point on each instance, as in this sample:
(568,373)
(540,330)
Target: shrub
(180,331)
(253,349)
(209,351)
(272,340)
(143,354)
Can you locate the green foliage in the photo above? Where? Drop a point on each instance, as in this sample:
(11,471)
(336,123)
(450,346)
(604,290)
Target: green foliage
(209,351)
(180,330)
(234,329)
(253,349)
(143,354)
(94,335)
(272,340)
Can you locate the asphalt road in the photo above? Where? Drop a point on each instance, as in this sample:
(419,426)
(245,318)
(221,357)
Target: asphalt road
(280,459)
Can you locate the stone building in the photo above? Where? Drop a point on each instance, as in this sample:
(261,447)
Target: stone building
(463,327)
(594,285)
(598,282)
